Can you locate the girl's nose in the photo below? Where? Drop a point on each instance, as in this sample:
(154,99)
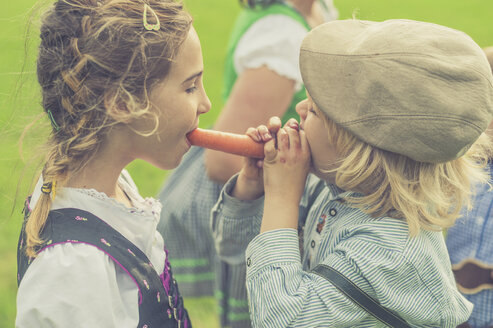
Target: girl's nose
(205,106)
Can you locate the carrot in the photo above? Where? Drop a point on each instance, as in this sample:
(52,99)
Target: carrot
(238,144)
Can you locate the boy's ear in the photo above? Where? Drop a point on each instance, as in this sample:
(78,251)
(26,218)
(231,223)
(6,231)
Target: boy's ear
(116,109)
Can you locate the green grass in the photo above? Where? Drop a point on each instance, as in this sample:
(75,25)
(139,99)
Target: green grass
(19,103)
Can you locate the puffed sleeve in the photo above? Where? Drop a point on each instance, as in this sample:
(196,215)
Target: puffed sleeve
(273,41)
(76,285)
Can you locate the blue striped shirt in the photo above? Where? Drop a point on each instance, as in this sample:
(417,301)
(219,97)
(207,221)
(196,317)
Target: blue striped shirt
(471,238)
(410,276)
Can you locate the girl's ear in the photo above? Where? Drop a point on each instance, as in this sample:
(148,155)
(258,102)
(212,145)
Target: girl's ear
(116,109)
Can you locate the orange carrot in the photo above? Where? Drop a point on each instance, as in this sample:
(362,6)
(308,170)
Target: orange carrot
(238,144)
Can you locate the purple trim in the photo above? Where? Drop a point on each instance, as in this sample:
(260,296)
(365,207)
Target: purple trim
(165,274)
(119,264)
(165,281)
(28,205)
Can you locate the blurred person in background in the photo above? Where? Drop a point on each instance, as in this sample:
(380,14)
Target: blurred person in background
(470,247)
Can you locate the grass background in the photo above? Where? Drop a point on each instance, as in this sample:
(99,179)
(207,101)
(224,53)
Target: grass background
(19,103)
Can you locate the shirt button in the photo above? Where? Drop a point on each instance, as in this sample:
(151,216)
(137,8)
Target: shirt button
(333,212)
(313,243)
(249,261)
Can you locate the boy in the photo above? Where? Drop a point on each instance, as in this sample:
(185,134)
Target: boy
(392,132)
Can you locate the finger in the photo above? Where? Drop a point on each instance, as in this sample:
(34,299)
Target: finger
(274,124)
(293,124)
(253,133)
(264,133)
(305,146)
(294,138)
(270,151)
(282,140)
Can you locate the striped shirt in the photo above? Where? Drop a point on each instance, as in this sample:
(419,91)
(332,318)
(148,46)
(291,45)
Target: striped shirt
(470,238)
(188,197)
(410,276)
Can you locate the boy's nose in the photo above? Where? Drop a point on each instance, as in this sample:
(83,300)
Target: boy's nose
(301,109)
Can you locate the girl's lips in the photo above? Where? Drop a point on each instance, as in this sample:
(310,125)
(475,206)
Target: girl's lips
(196,125)
(186,136)
(191,130)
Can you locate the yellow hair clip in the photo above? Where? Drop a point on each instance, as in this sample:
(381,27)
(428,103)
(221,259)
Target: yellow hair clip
(49,188)
(147,26)
(46,188)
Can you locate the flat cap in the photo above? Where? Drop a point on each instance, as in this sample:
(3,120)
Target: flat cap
(413,88)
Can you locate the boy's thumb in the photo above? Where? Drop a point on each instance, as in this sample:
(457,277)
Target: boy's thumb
(270,151)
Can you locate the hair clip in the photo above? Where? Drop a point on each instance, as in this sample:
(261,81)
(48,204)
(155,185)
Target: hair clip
(147,26)
(46,188)
(49,188)
(52,119)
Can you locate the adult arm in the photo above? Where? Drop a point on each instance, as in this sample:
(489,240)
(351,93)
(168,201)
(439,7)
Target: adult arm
(257,95)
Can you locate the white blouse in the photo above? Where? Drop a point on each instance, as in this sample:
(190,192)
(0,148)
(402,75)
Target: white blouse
(274,41)
(77,285)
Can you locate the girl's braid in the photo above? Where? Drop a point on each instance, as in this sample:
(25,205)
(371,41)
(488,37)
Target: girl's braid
(96,54)
(61,71)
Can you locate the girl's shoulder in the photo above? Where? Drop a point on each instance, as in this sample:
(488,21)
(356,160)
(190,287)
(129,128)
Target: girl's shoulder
(73,272)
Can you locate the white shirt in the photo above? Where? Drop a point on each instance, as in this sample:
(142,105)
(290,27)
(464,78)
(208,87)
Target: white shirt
(77,285)
(274,41)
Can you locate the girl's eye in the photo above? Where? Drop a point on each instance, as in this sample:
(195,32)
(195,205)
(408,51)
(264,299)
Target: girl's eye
(191,90)
(311,110)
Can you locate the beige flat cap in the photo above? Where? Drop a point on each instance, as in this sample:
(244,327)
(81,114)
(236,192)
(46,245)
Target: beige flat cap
(413,88)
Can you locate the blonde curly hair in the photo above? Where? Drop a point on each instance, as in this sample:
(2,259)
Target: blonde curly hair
(93,55)
(428,196)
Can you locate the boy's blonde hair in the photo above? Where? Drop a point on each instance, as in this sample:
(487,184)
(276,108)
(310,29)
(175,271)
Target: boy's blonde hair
(95,55)
(427,195)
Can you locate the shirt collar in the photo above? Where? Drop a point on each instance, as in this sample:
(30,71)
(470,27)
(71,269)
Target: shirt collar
(339,193)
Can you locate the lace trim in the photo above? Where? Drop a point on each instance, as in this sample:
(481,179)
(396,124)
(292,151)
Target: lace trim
(150,205)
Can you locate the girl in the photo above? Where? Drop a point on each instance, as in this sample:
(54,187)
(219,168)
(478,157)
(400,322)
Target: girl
(261,79)
(120,80)
(392,131)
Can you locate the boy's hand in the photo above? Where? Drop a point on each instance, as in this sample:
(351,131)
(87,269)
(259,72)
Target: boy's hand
(250,183)
(286,167)
(286,164)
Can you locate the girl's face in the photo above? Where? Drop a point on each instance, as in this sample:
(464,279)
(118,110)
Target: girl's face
(179,100)
(324,155)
